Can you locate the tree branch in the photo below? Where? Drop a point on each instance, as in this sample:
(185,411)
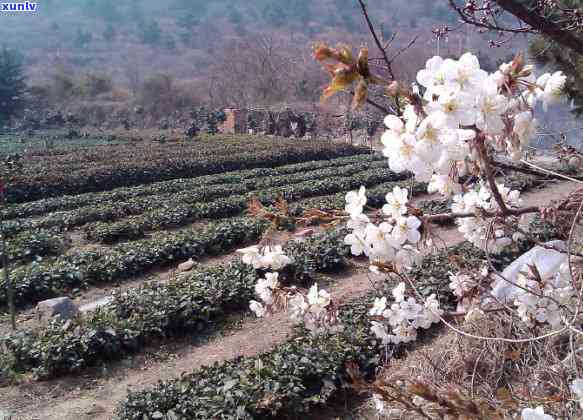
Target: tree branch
(483,152)
(484,24)
(527,171)
(444,217)
(378,106)
(376,39)
(543,25)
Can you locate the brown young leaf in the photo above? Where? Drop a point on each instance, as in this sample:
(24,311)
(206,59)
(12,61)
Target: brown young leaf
(360,94)
(345,55)
(322,52)
(282,205)
(342,78)
(255,208)
(362,63)
(518,63)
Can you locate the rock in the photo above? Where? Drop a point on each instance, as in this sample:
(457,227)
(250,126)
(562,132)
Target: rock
(62,307)
(93,306)
(186,266)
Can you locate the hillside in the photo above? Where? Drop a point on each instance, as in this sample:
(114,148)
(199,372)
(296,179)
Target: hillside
(216,50)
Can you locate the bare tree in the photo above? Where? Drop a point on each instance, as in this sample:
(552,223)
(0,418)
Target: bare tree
(133,73)
(263,70)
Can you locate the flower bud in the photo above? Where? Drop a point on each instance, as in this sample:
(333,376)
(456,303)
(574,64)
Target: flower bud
(393,89)
(323,52)
(526,71)
(362,63)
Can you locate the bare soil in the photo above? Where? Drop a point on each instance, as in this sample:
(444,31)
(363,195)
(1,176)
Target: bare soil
(96,394)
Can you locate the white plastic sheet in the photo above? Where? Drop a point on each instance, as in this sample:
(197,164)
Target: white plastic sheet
(547,262)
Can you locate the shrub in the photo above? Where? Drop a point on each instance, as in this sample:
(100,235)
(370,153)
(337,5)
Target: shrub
(44,280)
(292,379)
(298,375)
(184,206)
(188,303)
(49,205)
(129,166)
(28,246)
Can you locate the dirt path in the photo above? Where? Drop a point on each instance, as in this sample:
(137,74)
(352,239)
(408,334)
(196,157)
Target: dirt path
(87,397)
(95,396)
(27,319)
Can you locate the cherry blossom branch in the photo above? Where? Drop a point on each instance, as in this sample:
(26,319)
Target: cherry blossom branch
(512,283)
(377,41)
(469,19)
(444,217)
(485,159)
(544,25)
(463,314)
(376,105)
(546,246)
(538,21)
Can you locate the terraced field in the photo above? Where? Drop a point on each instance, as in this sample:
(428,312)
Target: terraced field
(97,221)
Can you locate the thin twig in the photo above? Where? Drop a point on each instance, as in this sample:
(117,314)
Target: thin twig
(376,39)
(556,174)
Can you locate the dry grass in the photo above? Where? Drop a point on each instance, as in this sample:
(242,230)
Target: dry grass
(459,377)
(499,376)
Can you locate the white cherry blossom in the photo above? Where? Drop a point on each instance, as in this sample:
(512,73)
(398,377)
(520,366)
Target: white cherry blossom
(577,389)
(251,256)
(552,88)
(432,77)
(257,308)
(525,127)
(399,292)
(406,230)
(318,299)
(297,307)
(396,202)
(491,108)
(379,306)
(407,257)
(443,184)
(275,259)
(455,108)
(265,287)
(357,243)
(355,201)
(464,74)
(461,283)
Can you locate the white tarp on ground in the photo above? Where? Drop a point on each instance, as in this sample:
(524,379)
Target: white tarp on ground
(547,262)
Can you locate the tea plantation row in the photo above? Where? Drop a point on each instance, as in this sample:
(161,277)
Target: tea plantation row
(189,303)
